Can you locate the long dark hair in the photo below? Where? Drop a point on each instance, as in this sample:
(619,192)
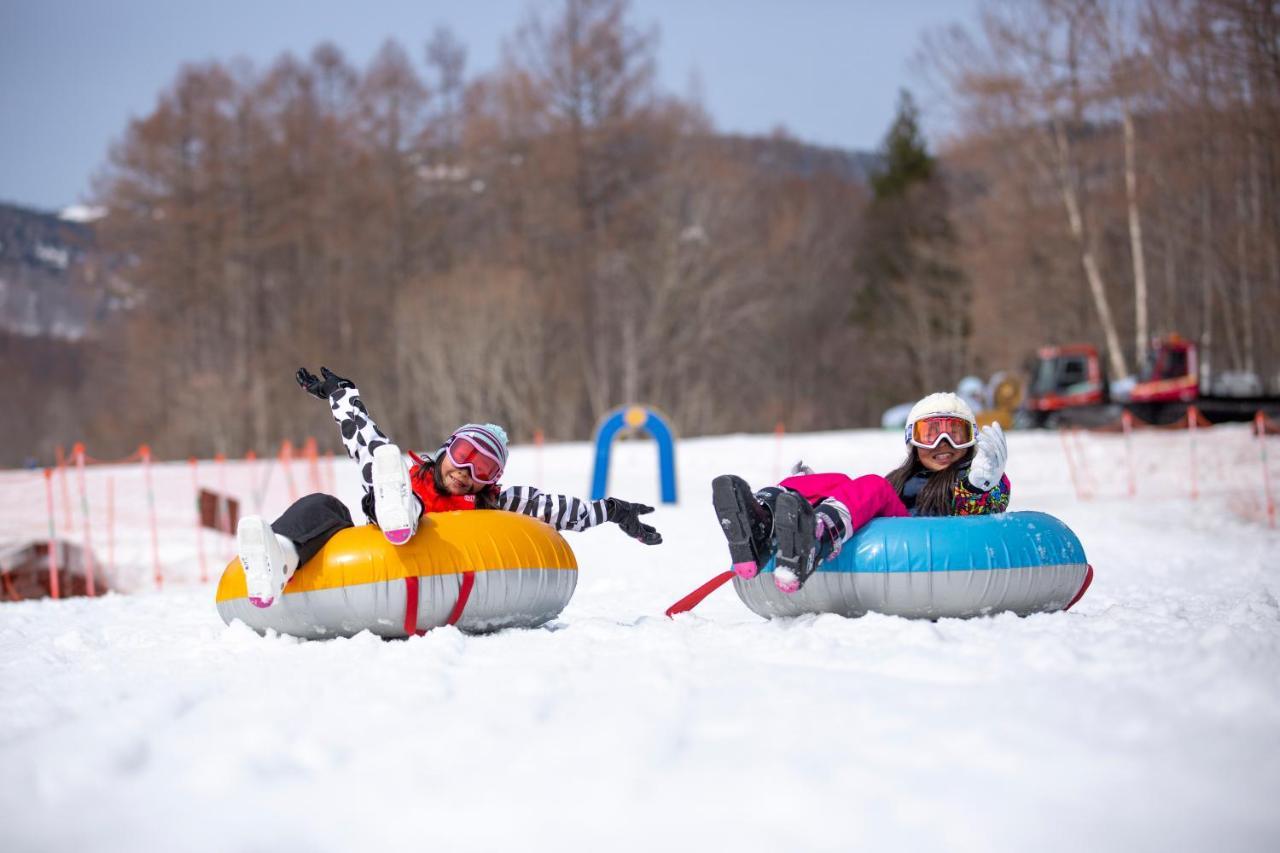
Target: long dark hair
(486,498)
(936,496)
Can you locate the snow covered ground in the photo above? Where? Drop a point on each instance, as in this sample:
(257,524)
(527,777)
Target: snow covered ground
(1146,718)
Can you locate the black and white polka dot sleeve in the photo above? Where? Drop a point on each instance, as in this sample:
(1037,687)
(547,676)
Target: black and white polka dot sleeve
(360,435)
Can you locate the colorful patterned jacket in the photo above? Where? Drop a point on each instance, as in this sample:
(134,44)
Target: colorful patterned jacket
(966,499)
(973,501)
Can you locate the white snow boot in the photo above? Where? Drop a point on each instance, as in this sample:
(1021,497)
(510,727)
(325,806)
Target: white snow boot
(395,505)
(269,559)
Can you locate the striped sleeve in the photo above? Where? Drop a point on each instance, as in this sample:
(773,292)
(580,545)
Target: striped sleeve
(360,435)
(560,511)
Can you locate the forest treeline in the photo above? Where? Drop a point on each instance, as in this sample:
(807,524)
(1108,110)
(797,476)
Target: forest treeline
(539,243)
(1126,155)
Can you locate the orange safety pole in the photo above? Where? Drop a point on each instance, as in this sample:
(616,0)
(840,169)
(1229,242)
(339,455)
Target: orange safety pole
(1261,429)
(250,472)
(62,478)
(313,463)
(286,461)
(221,516)
(53,542)
(1086,476)
(1071,465)
(1191,446)
(778,431)
(223,520)
(195,483)
(109,570)
(145,451)
(1126,424)
(78,452)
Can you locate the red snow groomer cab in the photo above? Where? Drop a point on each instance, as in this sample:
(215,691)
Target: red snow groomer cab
(1170,383)
(1172,374)
(1069,387)
(1064,378)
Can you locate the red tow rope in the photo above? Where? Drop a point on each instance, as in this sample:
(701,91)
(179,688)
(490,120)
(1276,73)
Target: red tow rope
(411,602)
(694,598)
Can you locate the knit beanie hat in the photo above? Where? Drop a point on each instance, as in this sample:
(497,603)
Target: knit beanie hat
(490,437)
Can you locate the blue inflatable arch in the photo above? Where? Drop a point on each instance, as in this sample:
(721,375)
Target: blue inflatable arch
(637,418)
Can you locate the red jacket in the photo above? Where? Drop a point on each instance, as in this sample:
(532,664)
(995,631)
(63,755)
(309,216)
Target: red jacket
(424,486)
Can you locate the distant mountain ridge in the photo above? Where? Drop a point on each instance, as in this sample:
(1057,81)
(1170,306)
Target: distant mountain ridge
(784,155)
(53,277)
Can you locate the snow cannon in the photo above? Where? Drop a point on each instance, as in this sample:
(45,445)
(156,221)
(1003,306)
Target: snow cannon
(481,570)
(931,568)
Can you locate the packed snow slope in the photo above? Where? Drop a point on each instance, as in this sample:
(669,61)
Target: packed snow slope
(1146,718)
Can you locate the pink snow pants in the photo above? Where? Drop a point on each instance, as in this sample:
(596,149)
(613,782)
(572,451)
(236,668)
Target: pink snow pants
(866,498)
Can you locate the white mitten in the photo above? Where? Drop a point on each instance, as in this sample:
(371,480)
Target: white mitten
(800,468)
(988,463)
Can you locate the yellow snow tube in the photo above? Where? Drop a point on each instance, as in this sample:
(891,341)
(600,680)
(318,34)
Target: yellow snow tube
(482,570)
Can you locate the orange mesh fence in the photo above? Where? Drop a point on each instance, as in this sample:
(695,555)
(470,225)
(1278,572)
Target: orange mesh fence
(1227,464)
(137,522)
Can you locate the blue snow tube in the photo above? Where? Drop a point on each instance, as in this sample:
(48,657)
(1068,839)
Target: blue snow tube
(960,566)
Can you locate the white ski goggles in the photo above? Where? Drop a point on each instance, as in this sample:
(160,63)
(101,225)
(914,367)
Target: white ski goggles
(929,432)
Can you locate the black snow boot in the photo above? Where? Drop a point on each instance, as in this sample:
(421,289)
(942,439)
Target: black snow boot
(747,526)
(793,525)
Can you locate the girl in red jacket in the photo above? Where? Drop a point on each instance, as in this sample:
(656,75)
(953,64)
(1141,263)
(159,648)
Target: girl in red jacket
(462,474)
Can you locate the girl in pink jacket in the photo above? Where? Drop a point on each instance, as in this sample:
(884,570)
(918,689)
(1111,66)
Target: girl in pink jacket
(951,468)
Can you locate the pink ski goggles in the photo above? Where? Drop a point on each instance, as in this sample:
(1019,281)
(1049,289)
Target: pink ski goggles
(465,453)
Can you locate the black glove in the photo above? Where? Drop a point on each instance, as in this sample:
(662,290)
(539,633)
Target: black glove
(318,387)
(627,516)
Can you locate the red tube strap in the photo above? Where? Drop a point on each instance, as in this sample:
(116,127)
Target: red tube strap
(468,581)
(411,602)
(411,605)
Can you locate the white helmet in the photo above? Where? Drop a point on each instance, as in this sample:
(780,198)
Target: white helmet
(941,403)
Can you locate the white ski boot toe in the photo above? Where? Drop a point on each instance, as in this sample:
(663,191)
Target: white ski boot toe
(262,559)
(396,507)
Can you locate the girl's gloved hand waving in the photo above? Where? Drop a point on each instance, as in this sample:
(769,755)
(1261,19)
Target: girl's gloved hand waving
(322,388)
(988,463)
(626,515)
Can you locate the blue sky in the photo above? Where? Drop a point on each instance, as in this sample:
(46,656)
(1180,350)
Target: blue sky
(73,72)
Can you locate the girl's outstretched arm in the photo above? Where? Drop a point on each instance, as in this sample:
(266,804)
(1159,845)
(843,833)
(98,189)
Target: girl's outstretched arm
(360,435)
(568,513)
(560,511)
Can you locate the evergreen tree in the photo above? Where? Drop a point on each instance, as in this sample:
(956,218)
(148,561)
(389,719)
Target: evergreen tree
(911,297)
(905,159)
